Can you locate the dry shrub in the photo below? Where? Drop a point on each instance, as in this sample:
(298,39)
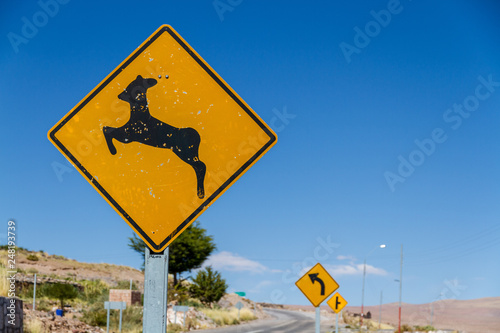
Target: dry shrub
(228,317)
(33,325)
(4,283)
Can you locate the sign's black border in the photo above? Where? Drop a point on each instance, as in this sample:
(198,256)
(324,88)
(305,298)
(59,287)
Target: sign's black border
(272,137)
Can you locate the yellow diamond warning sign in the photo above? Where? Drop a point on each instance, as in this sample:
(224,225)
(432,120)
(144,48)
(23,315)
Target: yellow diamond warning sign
(162,137)
(337,303)
(317,284)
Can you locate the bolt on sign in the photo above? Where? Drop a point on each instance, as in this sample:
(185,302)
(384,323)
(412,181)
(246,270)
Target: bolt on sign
(317,285)
(337,303)
(162,137)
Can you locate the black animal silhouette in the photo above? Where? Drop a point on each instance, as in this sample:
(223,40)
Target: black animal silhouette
(144,128)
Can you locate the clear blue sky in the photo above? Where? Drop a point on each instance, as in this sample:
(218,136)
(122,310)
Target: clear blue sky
(357,103)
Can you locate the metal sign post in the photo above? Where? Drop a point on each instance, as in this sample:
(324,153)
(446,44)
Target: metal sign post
(107,318)
(121,316)
(239,305)
(180,308)
(318,319)
(336,323)
(155,291)
(114,306)
(34,292)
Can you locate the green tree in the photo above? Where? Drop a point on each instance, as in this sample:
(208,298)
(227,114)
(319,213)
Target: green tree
(138,245)
(94,291)
(208,286)
(187,252)
(60,291)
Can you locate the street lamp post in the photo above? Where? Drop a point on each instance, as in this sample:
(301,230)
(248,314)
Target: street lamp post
(363,289)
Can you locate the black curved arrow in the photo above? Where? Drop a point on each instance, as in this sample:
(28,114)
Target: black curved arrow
(314,277)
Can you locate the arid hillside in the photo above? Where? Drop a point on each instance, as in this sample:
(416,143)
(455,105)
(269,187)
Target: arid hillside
(59,267)
(472,316)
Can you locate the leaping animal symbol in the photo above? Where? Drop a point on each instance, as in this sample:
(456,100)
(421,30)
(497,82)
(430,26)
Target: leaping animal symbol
(144,128)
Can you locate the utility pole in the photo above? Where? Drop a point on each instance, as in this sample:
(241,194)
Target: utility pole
(380,310)
(432,312)
(382,246)
(400,287)
(362,297)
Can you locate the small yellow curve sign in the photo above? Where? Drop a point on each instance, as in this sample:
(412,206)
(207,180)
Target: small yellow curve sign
(317,284)
(337,303)
(162,137)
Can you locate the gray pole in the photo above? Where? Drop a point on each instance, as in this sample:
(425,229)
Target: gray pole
(432,313)
(130,284)
(382,246)
(121,309)
(400,287)
(107,322)
(34,293)
(155,292)
(362,297)
(336,323)
(380,309)
(318,319)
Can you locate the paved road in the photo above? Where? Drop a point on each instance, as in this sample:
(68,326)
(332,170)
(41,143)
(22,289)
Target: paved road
(282,322)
